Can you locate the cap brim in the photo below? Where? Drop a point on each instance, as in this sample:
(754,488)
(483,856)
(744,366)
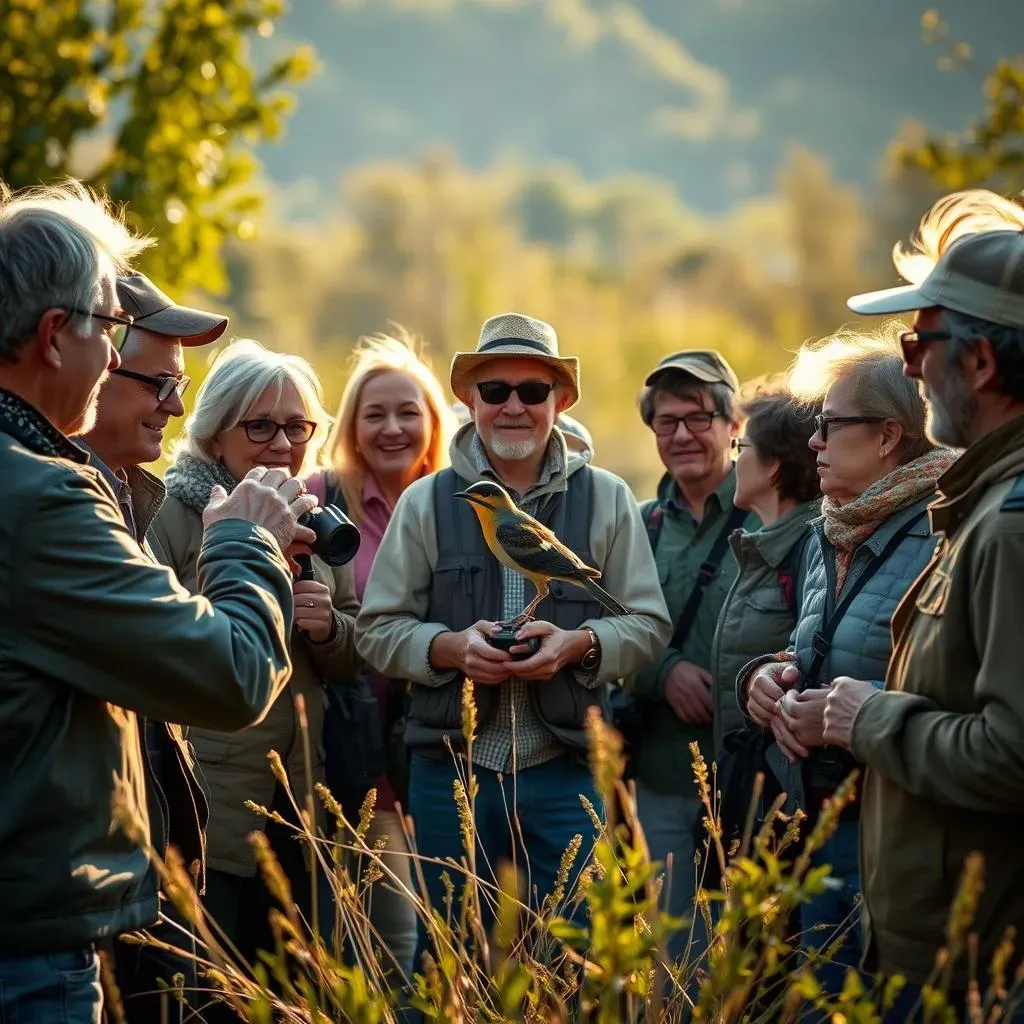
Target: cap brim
(705,376)
(193,326)
(889,300)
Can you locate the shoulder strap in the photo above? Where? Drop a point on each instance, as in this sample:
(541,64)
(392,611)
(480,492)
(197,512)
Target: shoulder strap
(651,513)
(447,511)
(821,642)
(1014,500)
(705,574)
(579,498)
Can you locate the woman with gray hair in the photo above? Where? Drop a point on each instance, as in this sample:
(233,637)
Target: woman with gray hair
(878,473)
(257,408)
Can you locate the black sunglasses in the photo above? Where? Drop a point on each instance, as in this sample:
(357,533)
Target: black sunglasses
(121,324)
(530,392)
(163,386)
(263,431)
(822,423)
(912,340)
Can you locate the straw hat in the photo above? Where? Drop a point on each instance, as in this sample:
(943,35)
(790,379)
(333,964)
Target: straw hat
(513,335)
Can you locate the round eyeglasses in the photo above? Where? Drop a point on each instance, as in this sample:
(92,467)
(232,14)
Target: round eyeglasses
(263,431)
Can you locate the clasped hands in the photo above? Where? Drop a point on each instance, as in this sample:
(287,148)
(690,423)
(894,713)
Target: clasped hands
(470,652)
(800,720)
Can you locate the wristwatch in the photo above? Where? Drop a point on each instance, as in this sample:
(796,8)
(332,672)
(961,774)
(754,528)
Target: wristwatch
(592,658)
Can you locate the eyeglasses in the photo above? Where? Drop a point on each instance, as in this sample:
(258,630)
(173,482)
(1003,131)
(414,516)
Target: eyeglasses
(263,431)
(120,324)
(163,386)
(737,445)
(695,423)
(910,341)
(823,423)
(529,392)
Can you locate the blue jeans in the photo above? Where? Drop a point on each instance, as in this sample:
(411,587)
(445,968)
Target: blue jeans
(528,817)
(51,988)
(835,912)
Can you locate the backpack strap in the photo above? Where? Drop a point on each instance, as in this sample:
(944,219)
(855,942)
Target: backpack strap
(449,514)
(324,484)
(821,642)
(651,513)
(705,574)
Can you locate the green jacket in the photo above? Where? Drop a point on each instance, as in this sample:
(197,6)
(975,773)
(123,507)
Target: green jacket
(943,743)
(664,763)
(92,634)
(759,612)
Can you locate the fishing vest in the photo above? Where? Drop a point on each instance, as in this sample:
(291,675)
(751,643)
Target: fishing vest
(467,586)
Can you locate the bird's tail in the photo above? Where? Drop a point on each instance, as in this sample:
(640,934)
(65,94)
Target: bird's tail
(615,607)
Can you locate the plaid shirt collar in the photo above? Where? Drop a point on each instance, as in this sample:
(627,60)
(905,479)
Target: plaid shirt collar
(553,464)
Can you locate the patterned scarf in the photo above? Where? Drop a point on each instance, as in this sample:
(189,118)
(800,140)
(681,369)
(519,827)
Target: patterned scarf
(848,526)
(190,480)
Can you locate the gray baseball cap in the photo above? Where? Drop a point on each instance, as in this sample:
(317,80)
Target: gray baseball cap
(154,311)
(706,365)
(979,275)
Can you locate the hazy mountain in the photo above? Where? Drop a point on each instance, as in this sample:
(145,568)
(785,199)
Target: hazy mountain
(705,93)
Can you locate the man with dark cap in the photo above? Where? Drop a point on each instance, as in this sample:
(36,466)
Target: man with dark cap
(688,401)
(135,404)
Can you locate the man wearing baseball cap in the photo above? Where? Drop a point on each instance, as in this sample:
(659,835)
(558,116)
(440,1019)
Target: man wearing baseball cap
(688,401)
(943,742)
(135,405)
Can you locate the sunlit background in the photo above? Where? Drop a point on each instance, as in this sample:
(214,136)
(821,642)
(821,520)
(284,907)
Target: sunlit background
(646,176)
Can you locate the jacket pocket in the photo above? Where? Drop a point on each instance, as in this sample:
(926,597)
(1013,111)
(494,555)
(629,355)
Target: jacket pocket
(934,594)
(210,748)
(454,590)
(769,601)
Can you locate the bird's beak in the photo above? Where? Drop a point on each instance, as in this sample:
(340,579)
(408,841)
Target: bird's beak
(471,498)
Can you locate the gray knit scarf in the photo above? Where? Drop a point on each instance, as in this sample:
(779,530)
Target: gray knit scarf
(190,480)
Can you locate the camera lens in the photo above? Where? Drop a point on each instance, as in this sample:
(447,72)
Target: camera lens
(337,538)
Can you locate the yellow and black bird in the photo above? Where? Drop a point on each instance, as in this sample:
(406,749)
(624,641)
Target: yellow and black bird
(517,540)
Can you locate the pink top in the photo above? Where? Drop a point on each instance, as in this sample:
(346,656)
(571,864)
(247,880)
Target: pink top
(376,516)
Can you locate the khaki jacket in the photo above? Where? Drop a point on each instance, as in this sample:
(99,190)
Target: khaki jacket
(234,765)
(944,743)
(392,635)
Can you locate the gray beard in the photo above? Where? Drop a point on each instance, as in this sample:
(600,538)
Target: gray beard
(513,451)
(951,409)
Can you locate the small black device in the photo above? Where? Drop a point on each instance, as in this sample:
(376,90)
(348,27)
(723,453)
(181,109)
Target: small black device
(507,638)
(337,537)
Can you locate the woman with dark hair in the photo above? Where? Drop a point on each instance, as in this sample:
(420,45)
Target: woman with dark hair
(777,478)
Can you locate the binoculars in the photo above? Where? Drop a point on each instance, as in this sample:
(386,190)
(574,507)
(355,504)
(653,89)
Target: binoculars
(337,537)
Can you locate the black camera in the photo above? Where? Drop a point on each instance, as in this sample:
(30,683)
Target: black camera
(337,537)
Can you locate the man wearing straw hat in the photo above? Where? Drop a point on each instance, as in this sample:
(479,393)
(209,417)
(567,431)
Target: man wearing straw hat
(436,592)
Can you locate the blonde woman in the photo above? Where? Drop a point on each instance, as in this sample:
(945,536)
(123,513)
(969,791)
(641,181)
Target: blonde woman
(257,408)
(393,427)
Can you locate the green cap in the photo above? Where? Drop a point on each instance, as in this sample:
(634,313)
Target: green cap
(705,364)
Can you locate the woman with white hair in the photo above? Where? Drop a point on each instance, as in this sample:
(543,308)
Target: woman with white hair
(878,473)
(257,408)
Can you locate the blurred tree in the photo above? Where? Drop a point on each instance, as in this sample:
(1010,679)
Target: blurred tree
(990,151)
(158,103)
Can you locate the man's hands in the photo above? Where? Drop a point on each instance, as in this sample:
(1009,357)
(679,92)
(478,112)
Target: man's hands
(558,648)
(798,722)
(687,688)
(269,498)
(313,611)
(766,688)
(845,699)
(470,652)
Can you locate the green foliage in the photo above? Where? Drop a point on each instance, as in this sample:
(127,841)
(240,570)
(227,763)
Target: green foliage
(156,103)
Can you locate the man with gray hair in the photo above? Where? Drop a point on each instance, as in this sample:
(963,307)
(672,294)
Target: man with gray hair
(436,593)
(943,741)
(93,633)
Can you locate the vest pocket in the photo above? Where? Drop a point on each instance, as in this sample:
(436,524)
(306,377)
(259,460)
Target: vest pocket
(570,605)
(455,597)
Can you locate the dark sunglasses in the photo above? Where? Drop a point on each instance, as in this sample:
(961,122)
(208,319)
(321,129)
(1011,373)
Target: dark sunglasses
(263,431)
(823,423)
(120,325)
(695,423)
(912,340)
(530,392)
(163,386)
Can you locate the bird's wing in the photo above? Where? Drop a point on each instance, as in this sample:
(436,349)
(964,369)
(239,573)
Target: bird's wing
(526,546)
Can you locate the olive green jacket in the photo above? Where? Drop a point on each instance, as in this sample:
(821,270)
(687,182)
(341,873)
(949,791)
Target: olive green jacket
(759,612)
(92,634)
(664,763)
(944,742)
(234,764)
